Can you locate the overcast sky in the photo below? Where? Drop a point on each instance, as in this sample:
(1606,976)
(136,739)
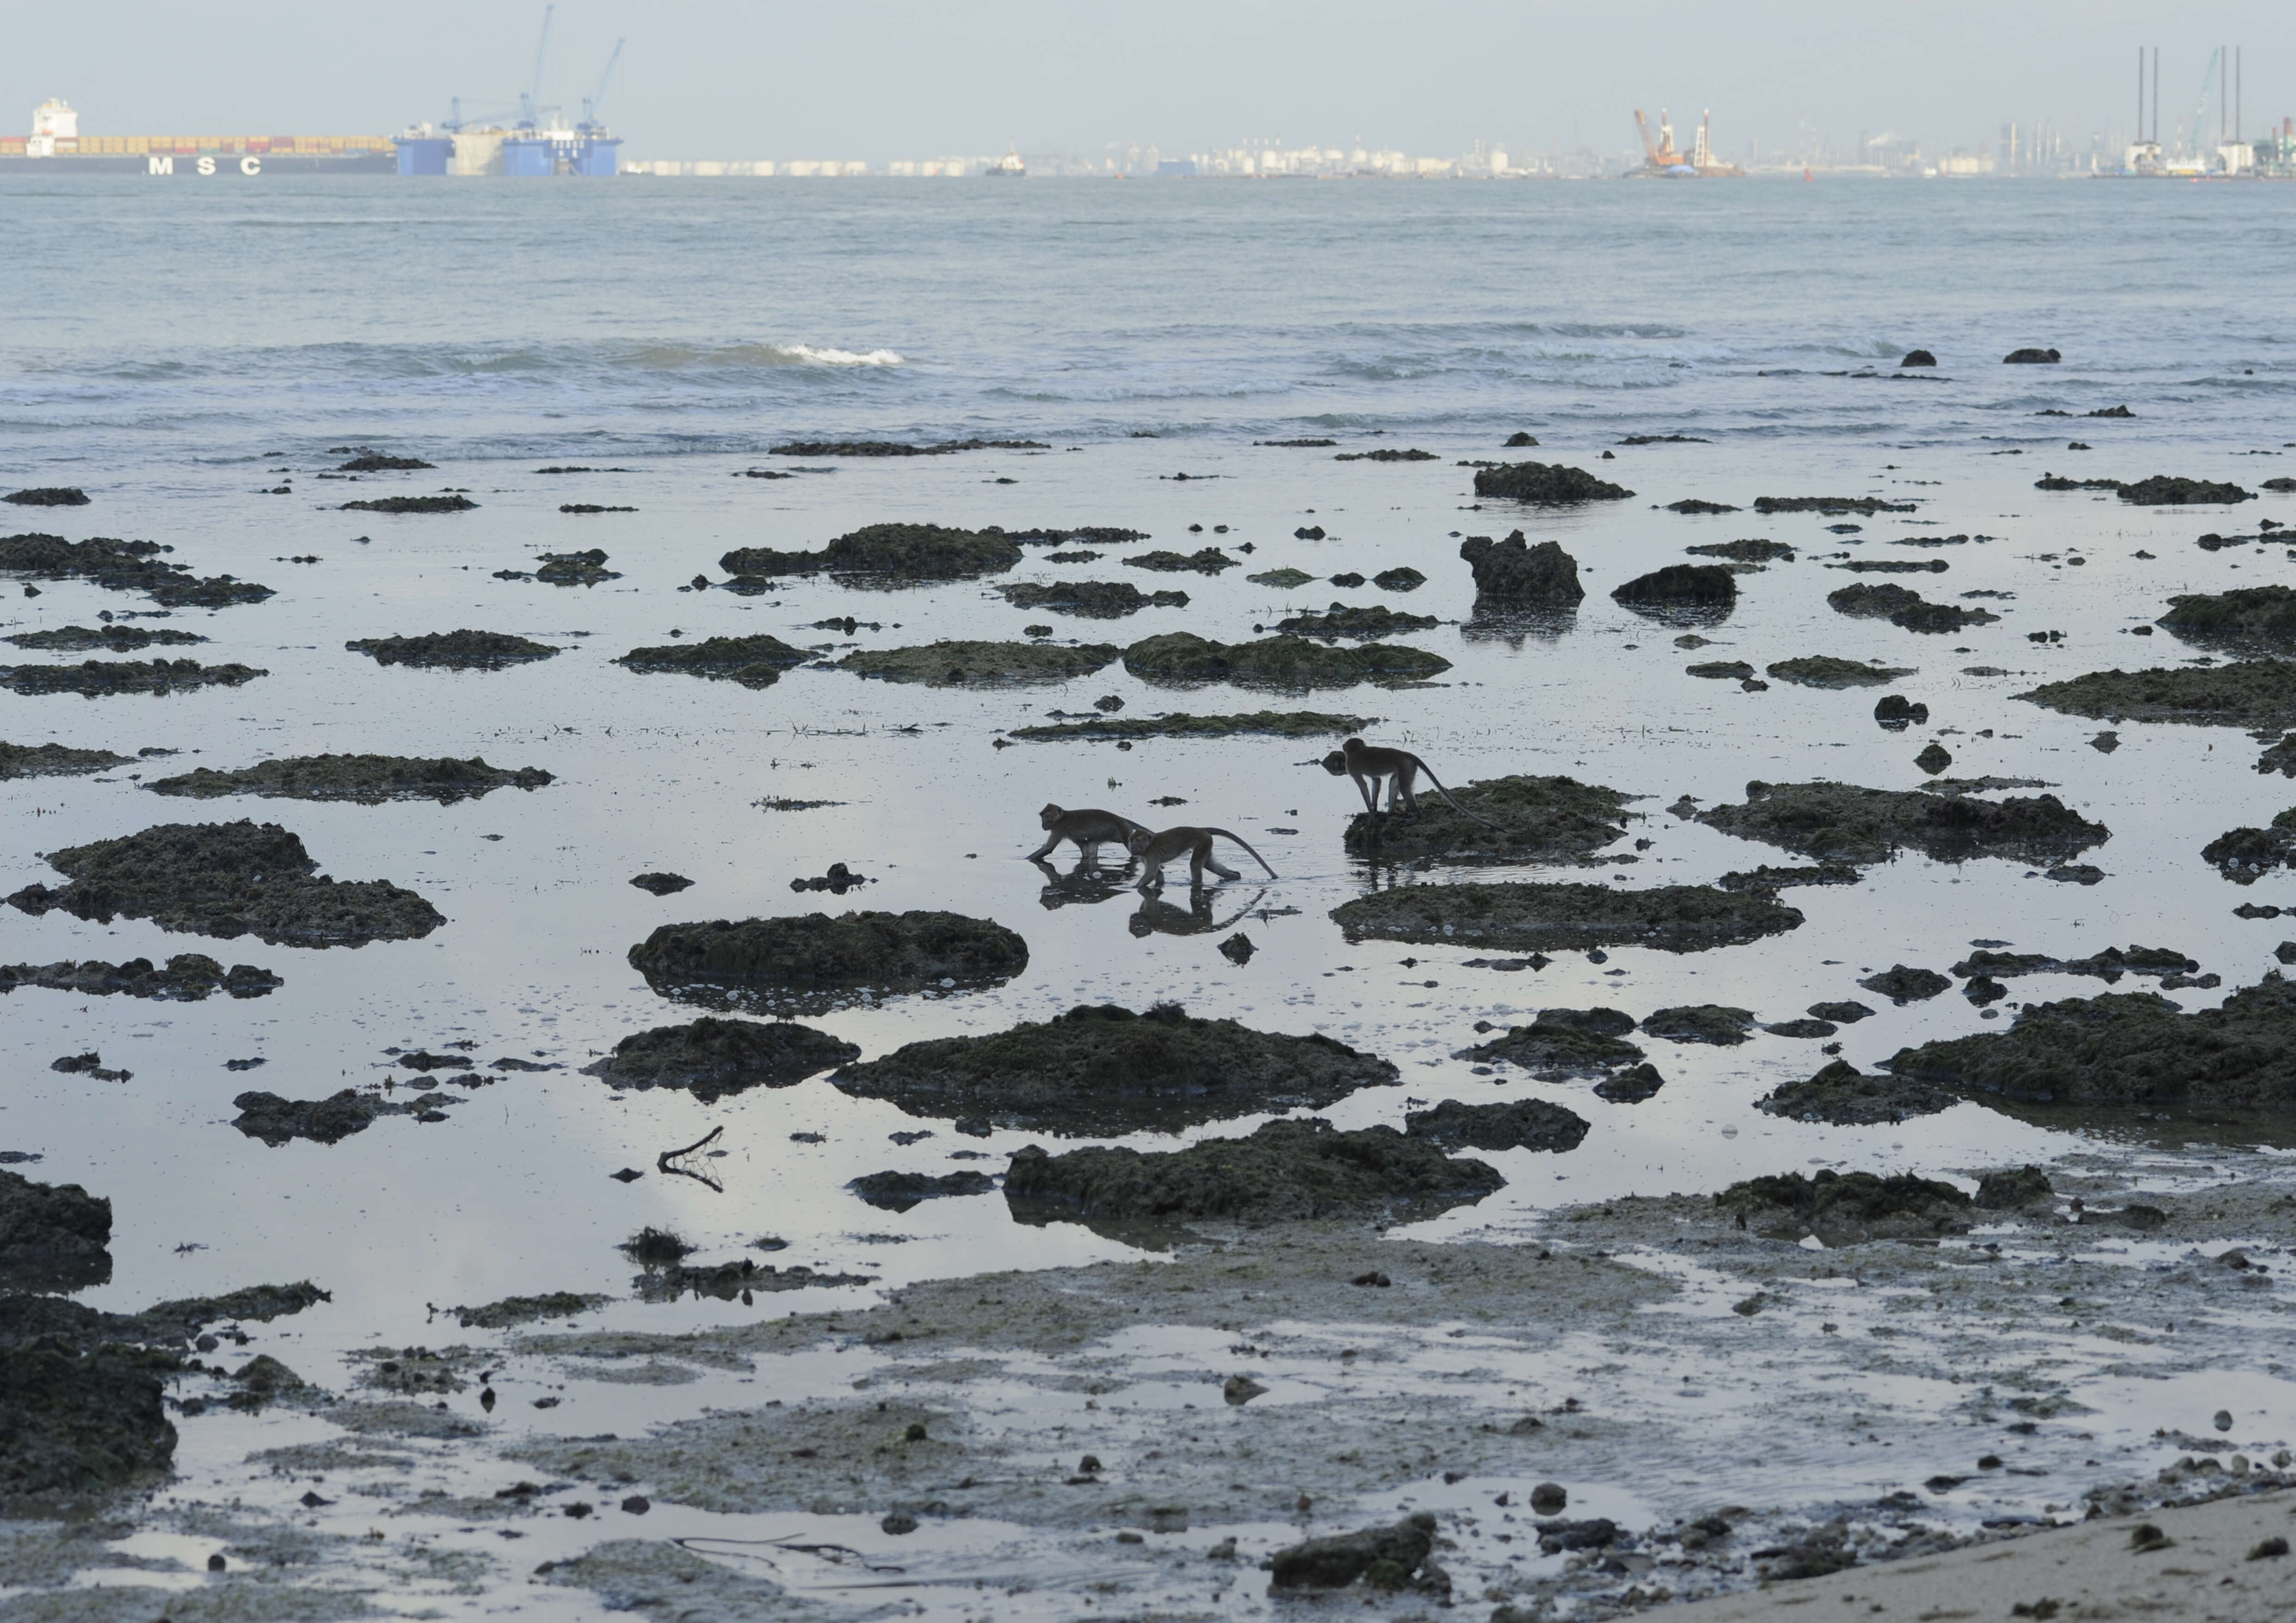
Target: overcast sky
(885,78)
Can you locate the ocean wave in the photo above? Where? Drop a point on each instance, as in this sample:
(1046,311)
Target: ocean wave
(678,357)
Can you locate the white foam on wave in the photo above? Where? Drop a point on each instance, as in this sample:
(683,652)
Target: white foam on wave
(841,357)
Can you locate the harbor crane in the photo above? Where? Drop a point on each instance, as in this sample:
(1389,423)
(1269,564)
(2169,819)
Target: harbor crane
(529,105)
(597,98)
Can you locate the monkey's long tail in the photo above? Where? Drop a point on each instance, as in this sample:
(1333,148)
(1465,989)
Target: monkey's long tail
(1239,840)
(1456,807)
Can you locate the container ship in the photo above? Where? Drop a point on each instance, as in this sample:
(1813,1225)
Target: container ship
(56,147)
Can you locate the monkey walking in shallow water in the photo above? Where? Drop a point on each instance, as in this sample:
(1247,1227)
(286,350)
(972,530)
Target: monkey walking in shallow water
(1369,765)
(1154,851)
(1090,829)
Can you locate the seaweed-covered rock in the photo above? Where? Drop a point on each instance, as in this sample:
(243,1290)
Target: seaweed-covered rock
(586,568)
(1538,819)
(1844,823)
(1563,1043)
(1386,1557)
(1697,505)
(1754,551)
(890,448)
(277,1120)
(2032,357)
(1546,484)
(1203,560)
(1288,1171)
(1917,358)
(53,760)
(2245,855)
(113,638)
(1274,724)
(1556,918)
(2163,490)
(2256,693)
(123,566)
(1376,621)
(1283,580)
(812,960)
(1832,506)
(53,1236)
(515,1311)
(1680,585)
(1844,1207)
(91,678)
(900,1191)
(889,554)
(463,650)
(75,1421)
(1403,578)
(2134,1049)
(368,779)
(1720,670)
(961,664)
(1904,984)
(413,504)
(1099,599)
(186,978)
(2108,966)
(2247,614)
(378,462)
(1278,662)
(1386,454)
(714,1059)
(1896,712)
(48,496)
(662,884)
(1105,1071)
(1768,878)
(2013,1187)
(1704,1022)
(1845,1096)
(1631,1085)
(1518,1124)
(728,1280)
(1825,671)
(1872,601)
(1513,570)
(753,662)
(228,880)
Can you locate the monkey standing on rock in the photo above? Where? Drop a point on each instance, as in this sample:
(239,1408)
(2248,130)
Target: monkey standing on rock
(1369,764)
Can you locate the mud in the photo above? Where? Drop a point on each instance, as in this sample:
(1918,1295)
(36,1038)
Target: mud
(1832,506)
(1182,657)
(900,1191)
(1514,571)
(1288,1171)
(1204,561)
(117,639)
(753,662)
(53,1236)
(368,779)
(1843,1096)
(92,679)
(1823,670)
(411,504)
(1276,724)
(1518,1124)
(1376,621)
(1847,1208)
(186,978)
(2262,615)
(814,960)
(54,760)
(962,664)
(2128,1050)
(123,566)
(888,555)
(1843,823)
(1104,1071)
(1563,1044)
(1557,918)
(1710,1023)
(1099,599)
(1546,484)
(1696,585)
(2260,693)
(228,880)
(714,1059)
(2246,855)
(1755,551)
(1538,819)
(277,1120)
(454,649)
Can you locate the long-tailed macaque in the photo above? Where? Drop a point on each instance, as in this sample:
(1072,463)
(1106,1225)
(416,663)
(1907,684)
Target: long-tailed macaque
(1369,764)
(1154,851)
(1090,829)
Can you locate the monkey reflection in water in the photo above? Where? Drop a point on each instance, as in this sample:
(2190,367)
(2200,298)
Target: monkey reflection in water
(1086,883)
(1159,917)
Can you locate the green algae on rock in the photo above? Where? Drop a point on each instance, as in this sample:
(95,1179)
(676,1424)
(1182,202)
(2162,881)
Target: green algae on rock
(714,1059)
(1556,918)
(964,664)
(1518,1124)
(1844,1096)
(464,649)
(753,662)
(1099,599)
(53,760)
(813,960)
(185,977)
(891,554)
(117,639)
(1563,1043)
(2134,1049)
(1278,662)
(2248,614)
(1823,670)
(367,779)
(1277,724)
(1105,1071)
(91,678)
(1546,484)
(2255,693)
(1283,580)
(1538,819)
(1844,823)
(1288,1171)
(1203,560)
(228,880)
(1376,621)
(1847,1208)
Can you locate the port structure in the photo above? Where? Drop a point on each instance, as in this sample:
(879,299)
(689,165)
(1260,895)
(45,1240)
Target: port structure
(532,141)
(1661,158)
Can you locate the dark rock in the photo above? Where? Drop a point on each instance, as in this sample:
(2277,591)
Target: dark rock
(2256,695)
(93,677)
(1545,485)
(2018,1186)
(887,448)
(52,1237)
(1896,712)
(1844,1207)
(1823,670)
(1203,560)
(2248,614)
(1278,724)
(1278,662)
(1917,358)
(78,1422)
(122,566)
(815,961)
(1847,1097)
(1691,504)
(188,977)
(413,504)
(962,664)
(454,649)
(1721,670)
(726,1281)
(368,779)
(1847,1014)
(376,462)
(1768,878)
(1385,1557)
(1934,757)
(1536,819)
(1385,455)
(900,1191)
(1832,506)
(1377,621)
(1518,1124)
(1106,1071)
(1100,600)
(1700,1023)
(1563,1043)
(1843,823)
(715,1057)
(1702,585)
(2109,965)
(586,568)
(662,884)
(1238,949)
(2032,357)
(1514,571)
(1983,989)
(2162,490)
(54,760)
(1632,1086)
(1903,984)
(888,555)
(48,496)
(1403,578)
(1745,551)
(275,1120)
(1811,1029)
(753,662)
(1289,1170)
(114,639)
(1536,917)
(2245,855)
(1521,439)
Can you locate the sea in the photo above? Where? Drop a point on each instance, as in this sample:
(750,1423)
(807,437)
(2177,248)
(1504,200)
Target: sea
(200,360)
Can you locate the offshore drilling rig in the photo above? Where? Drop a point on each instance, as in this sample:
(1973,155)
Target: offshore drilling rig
(1659,157)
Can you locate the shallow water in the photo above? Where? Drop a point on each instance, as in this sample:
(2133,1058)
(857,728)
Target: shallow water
(675,335)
